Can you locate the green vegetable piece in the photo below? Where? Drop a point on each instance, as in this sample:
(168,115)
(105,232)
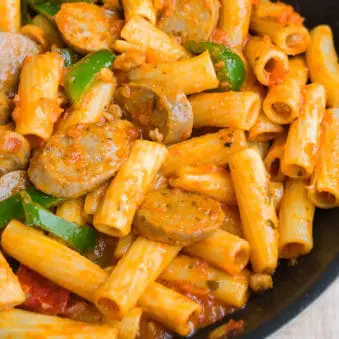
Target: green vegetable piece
(11,208)
(69,56)
(81,238)
(44,200)
(47,8)
(81,77)
(229,67)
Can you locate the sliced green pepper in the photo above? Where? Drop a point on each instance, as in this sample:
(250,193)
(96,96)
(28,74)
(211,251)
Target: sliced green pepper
(47,8)
(11,208)
(44,200)
(81,77)
(229,67)
(81,238)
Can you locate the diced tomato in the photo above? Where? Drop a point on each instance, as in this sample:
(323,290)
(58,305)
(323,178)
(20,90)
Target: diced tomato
(220,37)
(42,295)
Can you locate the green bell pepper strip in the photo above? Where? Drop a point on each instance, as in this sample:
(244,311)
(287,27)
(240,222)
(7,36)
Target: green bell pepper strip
(47,8)
(44,200)
(229,67)
(11,208)
(81,77)
(81,238)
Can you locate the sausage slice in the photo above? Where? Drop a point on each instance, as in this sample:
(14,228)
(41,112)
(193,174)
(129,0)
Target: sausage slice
(80,159)
(158,106)
(190,19)
(178,218)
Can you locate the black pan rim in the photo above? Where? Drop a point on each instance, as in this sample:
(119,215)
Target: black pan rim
(291,311)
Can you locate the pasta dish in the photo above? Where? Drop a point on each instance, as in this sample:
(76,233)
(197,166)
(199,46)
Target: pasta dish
(158,159)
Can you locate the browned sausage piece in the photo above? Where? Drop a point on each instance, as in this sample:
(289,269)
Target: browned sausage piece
(13,182)
(162,111)
(178,218)
(78,160)
(190,19)
(84,27)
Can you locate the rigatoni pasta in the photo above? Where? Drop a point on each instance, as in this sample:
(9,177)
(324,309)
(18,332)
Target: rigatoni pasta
(229,109)
(128,188)
(210,180)
(140,266)
(304,134)
(235,20)
(322,61)
(11,293)
(257,212)
(37,107)
(215,148)
(224,250)
(203,75)
(142,8)
(323,190)
(296,218)
(10,16)
(283,101)
(269,63)
(52,259)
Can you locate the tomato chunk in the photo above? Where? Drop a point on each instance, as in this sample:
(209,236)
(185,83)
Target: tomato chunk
(42,295)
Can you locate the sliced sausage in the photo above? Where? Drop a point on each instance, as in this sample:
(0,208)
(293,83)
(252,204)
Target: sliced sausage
(12,183)
(84,27)
(162,111)
(177,217)
(190,19)
(14,152)
(81,158)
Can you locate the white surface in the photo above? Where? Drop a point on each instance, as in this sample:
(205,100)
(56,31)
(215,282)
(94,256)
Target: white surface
(319,321)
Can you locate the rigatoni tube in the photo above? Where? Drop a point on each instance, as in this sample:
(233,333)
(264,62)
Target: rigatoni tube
(170,308)
(142,8)
(23,324)
(139,31)
(10,16)
(303,136)
(277,193)
(324,188)
(92,106)
(52,259)
(228,109)
(92,200)
(201,69)
(210,180)
(285,26)
(264,129)
(11,293)
(139,267)
(235,20)
(224,250)
(296,219)
(273,158)
(322,61)
(230,289)
(283,101)
(128,188)
(268,62)
(37,107)
(72,210)
(129,326)
(209,149)
(123,244)
(257,212)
